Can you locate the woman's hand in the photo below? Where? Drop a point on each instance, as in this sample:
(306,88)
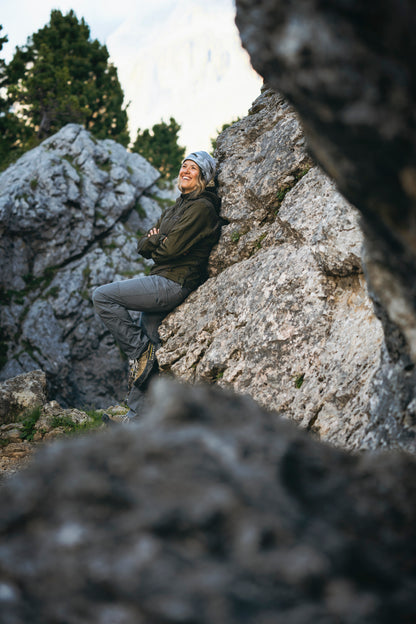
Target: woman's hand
(153,231)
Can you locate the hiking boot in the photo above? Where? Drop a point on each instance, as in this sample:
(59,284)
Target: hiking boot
(115,419)
(142,367)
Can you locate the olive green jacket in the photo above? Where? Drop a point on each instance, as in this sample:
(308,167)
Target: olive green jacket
(187,232)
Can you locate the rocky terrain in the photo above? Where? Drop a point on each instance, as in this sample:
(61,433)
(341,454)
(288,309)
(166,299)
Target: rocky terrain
(349,73)
(29,420)
(285,316)
(70,214)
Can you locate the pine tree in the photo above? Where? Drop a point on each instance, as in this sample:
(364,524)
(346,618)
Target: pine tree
(160,147)
(62,76)
(11,129)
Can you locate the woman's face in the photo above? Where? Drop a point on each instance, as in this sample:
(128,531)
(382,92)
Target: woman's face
(188,176)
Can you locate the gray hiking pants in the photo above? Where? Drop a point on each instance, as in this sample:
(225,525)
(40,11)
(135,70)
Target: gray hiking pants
(152,295)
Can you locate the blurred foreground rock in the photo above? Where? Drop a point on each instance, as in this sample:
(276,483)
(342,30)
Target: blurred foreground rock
(210,510)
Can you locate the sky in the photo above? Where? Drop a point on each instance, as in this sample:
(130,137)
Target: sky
(145,38)
(21,18)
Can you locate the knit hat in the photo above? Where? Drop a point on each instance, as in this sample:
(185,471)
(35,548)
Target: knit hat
(205,162)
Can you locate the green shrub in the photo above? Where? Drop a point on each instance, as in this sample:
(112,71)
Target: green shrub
(29,422)
(72,427)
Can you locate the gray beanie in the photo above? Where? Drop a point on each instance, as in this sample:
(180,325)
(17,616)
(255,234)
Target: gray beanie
(205,162)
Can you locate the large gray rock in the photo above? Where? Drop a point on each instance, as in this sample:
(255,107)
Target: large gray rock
(59,197)
(211,510)
(70,214)
(289,320)
(21,394)
(350,73)
(260,158)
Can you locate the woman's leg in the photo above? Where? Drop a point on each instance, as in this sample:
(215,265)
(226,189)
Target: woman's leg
(153,295)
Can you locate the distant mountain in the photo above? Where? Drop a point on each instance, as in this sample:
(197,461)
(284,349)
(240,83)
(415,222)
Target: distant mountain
(184,60)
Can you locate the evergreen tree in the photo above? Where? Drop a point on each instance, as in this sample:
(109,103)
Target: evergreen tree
(62,76)
(160,147)
(11,129)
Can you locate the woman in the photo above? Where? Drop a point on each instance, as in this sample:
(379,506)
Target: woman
(179,244)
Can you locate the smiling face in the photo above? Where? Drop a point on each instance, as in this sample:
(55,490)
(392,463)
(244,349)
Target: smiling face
(189,175)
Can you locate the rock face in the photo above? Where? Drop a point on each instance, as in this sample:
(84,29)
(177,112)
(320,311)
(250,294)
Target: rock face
(70,211)
(288,320)
(210,510)
(28,420)
(350,73)
(21,393)
(213,509)
(261,158)
(285,317)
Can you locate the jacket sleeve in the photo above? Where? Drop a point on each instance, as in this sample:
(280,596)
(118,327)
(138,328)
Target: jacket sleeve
(194,225)
(147,244)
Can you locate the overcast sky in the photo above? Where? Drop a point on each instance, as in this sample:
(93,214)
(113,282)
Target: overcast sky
(21,18)
(227,89)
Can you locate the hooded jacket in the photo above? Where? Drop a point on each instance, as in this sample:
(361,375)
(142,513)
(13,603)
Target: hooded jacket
(187,232)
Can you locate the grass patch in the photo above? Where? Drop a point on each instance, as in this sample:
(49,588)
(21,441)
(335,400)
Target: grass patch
(110,245)
(217,373)
(140,210)
(299,379)
(86,272)
(72,427)
(73,164)
(5,296)
(260,240)
(42,281)
(301,173)
(53,292)
(235,236)
(29,422)
(106,166)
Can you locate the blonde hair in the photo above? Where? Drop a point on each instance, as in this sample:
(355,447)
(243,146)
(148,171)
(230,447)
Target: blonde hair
(200,183)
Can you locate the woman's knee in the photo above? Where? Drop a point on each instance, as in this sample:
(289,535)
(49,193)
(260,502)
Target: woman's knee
(99,297)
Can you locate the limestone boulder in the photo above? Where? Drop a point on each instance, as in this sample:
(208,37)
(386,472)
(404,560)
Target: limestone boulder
(287,316)
(59,197)
(293,325)
(71,211)
(20,394)
(260,158)
(350,74)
